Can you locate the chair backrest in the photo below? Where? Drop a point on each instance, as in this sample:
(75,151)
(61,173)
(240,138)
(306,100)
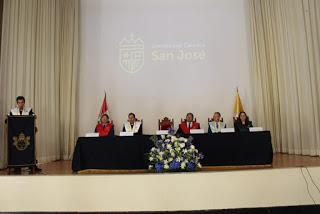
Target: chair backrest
(138,120)
(184,120)
(165,123)
(211,119)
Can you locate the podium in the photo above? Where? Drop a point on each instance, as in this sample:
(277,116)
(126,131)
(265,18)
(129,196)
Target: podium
(21,142)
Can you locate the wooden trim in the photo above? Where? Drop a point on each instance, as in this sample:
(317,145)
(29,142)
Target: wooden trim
(143,171)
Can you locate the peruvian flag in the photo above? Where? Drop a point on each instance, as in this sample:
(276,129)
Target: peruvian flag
(104,107)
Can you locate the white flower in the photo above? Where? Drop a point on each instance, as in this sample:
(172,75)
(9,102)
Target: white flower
(177,149)
(150,158)
(166,166)
(192,147)
(165,161)
(174,138)
(181,139)
(182,145)
(185,140)
(160,157)
(184,151)
(153,149)
(169,146)
(183,165)
(150,166)
(199,165)
(170,159)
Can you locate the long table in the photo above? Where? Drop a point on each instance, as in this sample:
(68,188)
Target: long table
(221,149)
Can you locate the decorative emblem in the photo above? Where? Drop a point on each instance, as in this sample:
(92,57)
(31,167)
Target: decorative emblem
(131,54)
(21,142)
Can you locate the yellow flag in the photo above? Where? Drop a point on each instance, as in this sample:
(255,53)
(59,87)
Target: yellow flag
(238,105)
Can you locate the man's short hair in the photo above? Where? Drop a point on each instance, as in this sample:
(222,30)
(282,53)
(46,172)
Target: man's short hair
(190,114)
(218,113)
(20,98)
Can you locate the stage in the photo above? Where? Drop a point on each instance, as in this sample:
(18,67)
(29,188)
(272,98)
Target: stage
(159,192)
(279,161)
(286,183)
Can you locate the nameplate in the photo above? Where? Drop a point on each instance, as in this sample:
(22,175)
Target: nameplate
(196,131)
(162,132)
(126,134)
(227,130)
(256,129)
(95,134)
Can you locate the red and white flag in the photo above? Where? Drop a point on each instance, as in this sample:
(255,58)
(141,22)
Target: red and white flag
(104,107)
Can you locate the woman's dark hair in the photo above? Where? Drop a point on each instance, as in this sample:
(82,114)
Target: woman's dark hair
(105,115)
(132,114)
(247,118)
(20,98)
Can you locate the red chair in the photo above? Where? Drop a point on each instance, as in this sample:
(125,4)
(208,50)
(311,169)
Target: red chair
(165,124)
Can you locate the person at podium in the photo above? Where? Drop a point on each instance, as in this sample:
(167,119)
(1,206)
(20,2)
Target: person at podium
(133,125)
(105,127)
(242,123)
(187,124)
(20,108)
(216,124)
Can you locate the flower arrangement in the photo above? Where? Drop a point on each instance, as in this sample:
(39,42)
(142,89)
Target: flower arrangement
(171,153)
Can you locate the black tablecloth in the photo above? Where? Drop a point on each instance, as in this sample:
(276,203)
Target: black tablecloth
(221,149)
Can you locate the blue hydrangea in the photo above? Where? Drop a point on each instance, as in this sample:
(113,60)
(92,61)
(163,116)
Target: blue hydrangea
(159,167)
(191,166)
(175,165)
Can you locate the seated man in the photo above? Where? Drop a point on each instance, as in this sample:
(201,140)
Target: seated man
(105,127)
(242,124)
(20,109)
(187,124)
(216,124)
(133,125)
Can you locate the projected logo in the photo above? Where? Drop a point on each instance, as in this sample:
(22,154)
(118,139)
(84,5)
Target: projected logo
(131,54)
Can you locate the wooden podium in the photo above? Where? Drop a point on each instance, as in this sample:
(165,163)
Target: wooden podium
(21,142)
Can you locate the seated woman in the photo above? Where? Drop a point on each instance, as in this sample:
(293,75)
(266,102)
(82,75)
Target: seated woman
(105,127)
(133,125)
(242,124)
(187,124)
(216,124)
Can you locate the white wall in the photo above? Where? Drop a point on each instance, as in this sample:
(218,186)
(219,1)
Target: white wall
(172,87)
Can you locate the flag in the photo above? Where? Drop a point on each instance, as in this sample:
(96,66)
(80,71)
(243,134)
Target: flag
(238,105)
(104,107)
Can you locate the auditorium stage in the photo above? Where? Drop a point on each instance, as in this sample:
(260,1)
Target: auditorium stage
(279,161)
(162,192)
(291,181)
